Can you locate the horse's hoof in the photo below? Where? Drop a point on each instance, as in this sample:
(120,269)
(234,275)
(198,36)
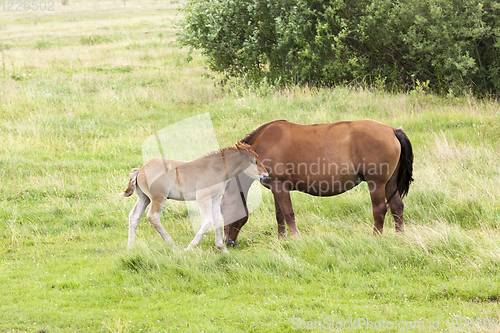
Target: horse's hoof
(225,251)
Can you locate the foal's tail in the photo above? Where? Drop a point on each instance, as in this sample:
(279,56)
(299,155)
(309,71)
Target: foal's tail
(131,184)
(405,163)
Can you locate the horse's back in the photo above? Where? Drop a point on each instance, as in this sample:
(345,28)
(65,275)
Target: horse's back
(341,147)
(347,138)
(374,141)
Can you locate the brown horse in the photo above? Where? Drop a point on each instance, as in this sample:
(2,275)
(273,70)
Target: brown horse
(324,160)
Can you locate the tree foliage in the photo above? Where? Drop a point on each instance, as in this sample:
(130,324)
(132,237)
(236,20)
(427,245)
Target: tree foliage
(450,43)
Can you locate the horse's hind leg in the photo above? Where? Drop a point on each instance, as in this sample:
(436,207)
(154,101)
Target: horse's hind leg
(135,216)
(154,218)
(395,204)
(377,194)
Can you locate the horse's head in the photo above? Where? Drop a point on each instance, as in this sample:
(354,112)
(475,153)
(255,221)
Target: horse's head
(255,169)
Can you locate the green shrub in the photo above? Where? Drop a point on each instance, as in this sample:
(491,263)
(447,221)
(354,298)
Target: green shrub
(453,45)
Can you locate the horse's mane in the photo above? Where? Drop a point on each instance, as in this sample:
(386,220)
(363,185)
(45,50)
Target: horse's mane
(250,135)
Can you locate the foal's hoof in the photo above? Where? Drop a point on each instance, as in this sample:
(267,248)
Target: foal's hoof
(231,243)
(224,250)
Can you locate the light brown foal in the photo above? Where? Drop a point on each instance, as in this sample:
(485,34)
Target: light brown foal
(202,179)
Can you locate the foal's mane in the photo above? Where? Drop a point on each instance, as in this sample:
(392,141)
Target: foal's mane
(218,151)
(238,146)
(250,135)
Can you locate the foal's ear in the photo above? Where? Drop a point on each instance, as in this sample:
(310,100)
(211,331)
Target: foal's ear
(246,147)
(243,146)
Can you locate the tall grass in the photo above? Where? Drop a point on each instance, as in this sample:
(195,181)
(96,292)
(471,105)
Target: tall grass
(75,111)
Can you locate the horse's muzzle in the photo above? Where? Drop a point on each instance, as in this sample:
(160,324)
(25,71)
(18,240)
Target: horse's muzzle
(231,243)
(264,179)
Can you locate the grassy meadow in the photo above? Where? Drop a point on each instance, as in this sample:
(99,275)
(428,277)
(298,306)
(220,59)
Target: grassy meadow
(82,88)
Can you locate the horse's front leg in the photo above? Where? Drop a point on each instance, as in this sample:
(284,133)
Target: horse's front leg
(280,219)
(283,200)
(205,204)
(234,207)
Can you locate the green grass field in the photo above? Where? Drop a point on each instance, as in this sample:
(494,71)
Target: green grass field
(82,88)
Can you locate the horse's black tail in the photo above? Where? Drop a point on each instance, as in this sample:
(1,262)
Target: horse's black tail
(405,163)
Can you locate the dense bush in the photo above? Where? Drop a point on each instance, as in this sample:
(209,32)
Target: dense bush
(452,44)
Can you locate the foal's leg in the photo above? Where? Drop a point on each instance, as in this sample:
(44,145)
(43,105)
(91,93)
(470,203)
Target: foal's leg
(217,216)
(154,218)
(377,194)
(206,220)
(282,198)
(135,216)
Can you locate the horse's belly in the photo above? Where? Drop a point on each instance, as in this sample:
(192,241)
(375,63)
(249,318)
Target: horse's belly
(326,185)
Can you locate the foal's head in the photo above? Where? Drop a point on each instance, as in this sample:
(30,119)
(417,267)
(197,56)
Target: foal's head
(256,169)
